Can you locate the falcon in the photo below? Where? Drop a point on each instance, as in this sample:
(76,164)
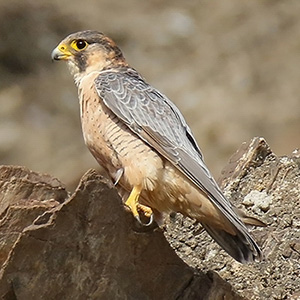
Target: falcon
(144,143)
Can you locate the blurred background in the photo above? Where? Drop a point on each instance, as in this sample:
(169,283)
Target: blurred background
(231,66)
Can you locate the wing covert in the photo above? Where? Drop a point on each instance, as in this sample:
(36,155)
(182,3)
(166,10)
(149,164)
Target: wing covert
(147,112)
(155,119)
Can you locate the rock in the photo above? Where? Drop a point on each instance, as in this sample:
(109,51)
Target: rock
(258,200)
(270,186)
(24,195)
(87,247)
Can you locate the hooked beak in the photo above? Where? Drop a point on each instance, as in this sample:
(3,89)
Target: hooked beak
(61,53)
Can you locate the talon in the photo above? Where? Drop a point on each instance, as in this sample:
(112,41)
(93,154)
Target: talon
(151,220)
(118,175)
(147,211)
(145,224)
(132,203)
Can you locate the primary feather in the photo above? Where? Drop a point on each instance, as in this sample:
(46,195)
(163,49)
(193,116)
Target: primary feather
(155,119)
(143,140)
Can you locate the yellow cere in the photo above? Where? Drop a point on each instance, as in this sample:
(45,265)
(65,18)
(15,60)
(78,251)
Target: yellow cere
(62,48)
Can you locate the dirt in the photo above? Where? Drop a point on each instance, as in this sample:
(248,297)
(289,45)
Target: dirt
(273,186)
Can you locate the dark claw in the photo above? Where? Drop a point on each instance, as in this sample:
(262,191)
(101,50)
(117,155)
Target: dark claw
(145,224)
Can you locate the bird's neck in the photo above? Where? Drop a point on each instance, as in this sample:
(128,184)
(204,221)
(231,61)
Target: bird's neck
(99,67)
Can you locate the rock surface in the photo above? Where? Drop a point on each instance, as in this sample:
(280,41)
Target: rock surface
(87,245)
(253,170)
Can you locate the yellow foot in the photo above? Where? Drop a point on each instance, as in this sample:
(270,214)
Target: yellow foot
(133,203)
(133,199)
(147,211)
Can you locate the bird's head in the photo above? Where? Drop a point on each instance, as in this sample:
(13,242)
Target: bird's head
(88,51)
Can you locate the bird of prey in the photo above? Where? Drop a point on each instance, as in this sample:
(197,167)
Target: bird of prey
(143,142)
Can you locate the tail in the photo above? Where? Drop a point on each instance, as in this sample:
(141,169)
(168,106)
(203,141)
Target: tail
(240,246)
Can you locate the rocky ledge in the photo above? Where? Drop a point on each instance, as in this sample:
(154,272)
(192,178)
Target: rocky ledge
(86,245)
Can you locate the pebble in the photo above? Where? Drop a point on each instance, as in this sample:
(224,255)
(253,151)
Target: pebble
(259,200)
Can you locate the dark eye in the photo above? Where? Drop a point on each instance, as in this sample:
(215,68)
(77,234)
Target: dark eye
(81,44)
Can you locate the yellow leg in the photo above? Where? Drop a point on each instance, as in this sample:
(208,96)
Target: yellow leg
(133,199)
(133,203)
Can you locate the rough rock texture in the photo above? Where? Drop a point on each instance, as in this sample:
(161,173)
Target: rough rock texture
(87,245)
(24,195)
(267,187)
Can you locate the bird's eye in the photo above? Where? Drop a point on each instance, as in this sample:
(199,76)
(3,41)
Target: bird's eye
(79,45)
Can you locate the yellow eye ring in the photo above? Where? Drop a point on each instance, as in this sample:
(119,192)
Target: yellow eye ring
(79,45)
